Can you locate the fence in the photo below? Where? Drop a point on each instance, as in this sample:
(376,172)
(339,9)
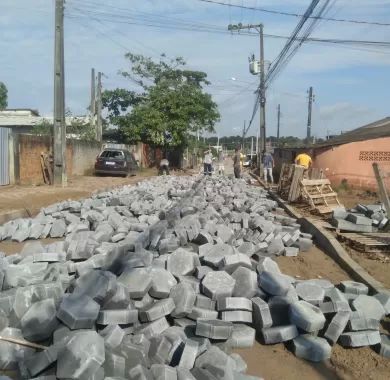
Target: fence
(4,156)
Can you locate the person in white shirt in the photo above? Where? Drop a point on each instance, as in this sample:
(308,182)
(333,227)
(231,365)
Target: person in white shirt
(221,163)
(207,163)
(164,166)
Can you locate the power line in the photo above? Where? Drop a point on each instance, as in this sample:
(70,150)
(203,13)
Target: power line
(282,13)
(218,30)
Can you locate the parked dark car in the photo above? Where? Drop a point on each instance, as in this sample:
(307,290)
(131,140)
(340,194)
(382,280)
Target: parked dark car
(116,162)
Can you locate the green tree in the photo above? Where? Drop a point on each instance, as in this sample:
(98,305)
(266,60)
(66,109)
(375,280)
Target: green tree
(172,102)
(3,96)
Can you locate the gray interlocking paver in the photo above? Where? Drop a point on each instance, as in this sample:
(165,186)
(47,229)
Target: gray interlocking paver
(218,285)
(306,316)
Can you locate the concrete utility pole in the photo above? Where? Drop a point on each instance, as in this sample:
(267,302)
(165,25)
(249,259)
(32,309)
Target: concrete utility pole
(278,132)
(59,98)
(243,136)
(99,129)
(260,29)
(262,94)
(92,107)
(311,100)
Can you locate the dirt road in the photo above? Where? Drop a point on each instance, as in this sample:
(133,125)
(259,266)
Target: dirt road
(274,362)
(33,198)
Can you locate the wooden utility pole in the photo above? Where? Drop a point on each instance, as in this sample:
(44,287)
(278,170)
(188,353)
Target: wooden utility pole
(383,194)
(59,125)
(278,130)
(311,99)
(92,107)
(99,130)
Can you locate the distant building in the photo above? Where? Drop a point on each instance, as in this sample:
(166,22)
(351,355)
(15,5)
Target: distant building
(23,120)
(20,120)
(349,157)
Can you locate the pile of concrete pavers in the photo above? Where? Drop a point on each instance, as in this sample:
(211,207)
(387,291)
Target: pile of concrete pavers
(191,278)
(362,218)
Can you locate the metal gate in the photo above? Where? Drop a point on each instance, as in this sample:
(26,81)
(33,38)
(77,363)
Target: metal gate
(4,157)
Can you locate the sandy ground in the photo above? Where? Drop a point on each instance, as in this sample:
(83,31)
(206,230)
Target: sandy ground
(353,197)
(34,197)
(376,264)
(276,362)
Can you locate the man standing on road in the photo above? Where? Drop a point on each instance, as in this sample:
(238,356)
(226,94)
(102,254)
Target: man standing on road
(237,162)
(268,163)
(164,166)
(303,159)
(221,164)
(207,162)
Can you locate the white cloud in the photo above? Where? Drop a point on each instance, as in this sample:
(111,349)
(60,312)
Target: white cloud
(26,28)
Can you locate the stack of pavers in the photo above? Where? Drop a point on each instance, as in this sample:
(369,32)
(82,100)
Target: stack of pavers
(362,218)
(164,281)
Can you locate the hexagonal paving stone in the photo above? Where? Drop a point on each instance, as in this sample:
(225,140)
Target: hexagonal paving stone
(218,284)
(78,311)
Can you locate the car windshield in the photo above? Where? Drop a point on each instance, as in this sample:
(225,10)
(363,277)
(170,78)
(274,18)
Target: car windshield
(248,157)
(112,154)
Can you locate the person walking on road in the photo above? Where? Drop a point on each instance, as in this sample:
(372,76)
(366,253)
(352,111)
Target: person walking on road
(237,162)
(304,160)
(207,163)
(164,166)
(268,164)
(221,164)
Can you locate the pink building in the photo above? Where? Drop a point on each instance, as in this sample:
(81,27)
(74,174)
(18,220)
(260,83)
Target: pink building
(349,157)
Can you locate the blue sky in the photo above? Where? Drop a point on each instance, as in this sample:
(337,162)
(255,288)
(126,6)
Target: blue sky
(351,85)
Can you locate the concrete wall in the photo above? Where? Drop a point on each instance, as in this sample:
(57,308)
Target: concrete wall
(353,162)
(80,157)
(83,156)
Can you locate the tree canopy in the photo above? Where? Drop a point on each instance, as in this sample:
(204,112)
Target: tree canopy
(3,96)
(170,106)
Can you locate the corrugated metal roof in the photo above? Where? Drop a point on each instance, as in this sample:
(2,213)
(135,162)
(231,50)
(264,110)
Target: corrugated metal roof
(30,121)
(376,130)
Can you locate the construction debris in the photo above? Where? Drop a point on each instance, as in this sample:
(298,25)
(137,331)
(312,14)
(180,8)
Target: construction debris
(362,218)
(162,281)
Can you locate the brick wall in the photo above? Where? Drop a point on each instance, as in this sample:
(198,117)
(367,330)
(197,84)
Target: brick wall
(80,157)
(28,152)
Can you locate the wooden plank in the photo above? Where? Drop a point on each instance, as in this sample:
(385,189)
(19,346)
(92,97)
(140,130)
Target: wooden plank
(383,194)
(22,342)
(315,182)
(326,195)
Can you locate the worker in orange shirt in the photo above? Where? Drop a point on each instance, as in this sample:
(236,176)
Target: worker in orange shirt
(303,159)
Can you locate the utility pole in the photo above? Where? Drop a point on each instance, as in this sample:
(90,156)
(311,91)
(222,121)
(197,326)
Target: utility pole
(311,99)
(262,94)
(260,29)
(243,136)
(92,107)
(251,147)
(99,130)
(59,125)
(278,132)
